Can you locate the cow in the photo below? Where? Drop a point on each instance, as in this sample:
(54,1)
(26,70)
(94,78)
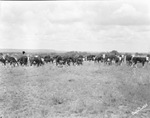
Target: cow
(36,60)
(99,59)
(59,60)
(73,60)
(119,59)
(79,61)
(90,57)
(67,60)
(11,60)
(128,59)
(23,60)
(48,59)
(139,59)
(111,58)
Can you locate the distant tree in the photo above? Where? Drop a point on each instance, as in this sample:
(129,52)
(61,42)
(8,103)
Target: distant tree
(114,52)
(139,54)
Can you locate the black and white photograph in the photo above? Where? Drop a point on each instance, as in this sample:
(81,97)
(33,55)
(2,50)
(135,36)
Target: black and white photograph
(75,59)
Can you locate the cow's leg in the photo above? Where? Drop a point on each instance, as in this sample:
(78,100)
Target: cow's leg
(136,65)
(143,63)
(11,64)
(133,64)
(4,63)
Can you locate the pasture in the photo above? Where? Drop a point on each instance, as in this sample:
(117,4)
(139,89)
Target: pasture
(89,91)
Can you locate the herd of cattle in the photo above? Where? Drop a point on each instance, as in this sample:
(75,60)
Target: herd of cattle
(37,60)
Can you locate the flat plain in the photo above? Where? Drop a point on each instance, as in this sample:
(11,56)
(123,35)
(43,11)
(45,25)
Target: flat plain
(92,90)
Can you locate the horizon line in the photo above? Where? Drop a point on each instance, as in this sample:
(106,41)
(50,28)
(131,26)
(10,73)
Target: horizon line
(72,50)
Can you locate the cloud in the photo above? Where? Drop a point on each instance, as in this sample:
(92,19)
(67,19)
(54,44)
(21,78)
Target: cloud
(64,25)
(126,10)
(129,15)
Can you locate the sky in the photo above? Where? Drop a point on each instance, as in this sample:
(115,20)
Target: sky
(105,25)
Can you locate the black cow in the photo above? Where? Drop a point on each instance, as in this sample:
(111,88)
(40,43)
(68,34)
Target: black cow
(59,60)
(73,60)
(110,59)
(11,60)
(128,59)
(119,59)
(99,59)
(66,60)
(23,60)
(79,61)
(36,60)
(139,59)
(48,59)
(90,57)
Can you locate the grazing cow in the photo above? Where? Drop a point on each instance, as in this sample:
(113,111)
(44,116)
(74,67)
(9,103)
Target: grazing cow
(139,59)
(99,58)
(36,60)
(79,61)
(48,59)
(23,60)
(11,60)
(110,59)
(59,60)
(119,59)
(91,57)
(73,60)
(66,60)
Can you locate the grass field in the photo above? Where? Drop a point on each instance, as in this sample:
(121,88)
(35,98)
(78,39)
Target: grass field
(92,90)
